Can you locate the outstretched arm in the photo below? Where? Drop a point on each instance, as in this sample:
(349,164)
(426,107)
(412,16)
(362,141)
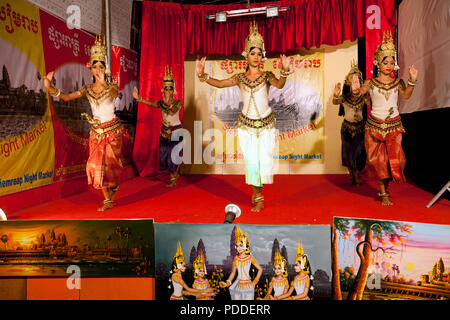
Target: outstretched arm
(406,92)
(279,83)
(140,99)
(204,77)
(365,87)
(57,92)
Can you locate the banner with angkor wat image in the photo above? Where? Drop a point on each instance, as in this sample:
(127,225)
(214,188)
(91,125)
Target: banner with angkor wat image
(26,131)
(225,262)
(298,109)
(45,140)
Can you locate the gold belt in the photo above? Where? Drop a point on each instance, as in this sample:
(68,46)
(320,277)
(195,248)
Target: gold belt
(262,123)
(99,132)
(383,125)
(353,127)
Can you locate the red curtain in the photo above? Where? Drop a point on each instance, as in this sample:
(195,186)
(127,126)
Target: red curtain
(169,31)
(308,23)
(163,43)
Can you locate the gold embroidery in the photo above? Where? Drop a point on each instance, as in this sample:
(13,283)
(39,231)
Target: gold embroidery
(170,110)
(384,128)
(98,98)
(385,88)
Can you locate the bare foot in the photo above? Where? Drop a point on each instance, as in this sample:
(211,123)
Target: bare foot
(258,207)
(385,201)
(172,183)
(107,204)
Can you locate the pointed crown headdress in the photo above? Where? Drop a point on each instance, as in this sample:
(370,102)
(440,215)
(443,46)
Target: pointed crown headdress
(179,256)
(386,48)
(254,40)
(241,236)
(353,70)
(168,78)
(278,259)
(301,255)
(98,50)
(199,262)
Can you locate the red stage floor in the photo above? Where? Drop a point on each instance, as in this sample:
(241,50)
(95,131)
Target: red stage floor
(299,199)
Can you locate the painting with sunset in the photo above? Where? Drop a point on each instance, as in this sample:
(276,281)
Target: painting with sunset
(96,247)
(390,260)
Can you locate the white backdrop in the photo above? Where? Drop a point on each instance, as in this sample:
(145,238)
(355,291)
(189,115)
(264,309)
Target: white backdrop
(91,16)
(424,41)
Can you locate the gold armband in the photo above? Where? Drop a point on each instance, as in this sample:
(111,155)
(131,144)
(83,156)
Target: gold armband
(411,83)
(203,77)
(57,94)
(284,74)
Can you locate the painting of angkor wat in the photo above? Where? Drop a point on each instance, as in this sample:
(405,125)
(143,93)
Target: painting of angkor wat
(97,247)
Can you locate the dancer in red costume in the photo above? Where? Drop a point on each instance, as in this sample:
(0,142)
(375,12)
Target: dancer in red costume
(104,165)
(384,129)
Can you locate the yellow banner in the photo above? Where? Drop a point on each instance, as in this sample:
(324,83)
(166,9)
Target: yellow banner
(298,109)
(26,131)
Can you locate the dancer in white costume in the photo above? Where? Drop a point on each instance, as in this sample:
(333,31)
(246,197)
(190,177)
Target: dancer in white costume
(279,283)
(244,287)
(256,123)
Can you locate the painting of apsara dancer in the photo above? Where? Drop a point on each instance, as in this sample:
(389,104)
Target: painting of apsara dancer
(96,247)
(242,262)
(390,260)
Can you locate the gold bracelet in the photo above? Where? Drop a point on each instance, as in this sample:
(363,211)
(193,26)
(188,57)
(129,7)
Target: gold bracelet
(412,84)
(203,77)
(57,94)
(284,74)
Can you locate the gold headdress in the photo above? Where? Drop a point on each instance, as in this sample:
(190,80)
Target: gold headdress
(354,70)
(385,49)
(254,40)
(301,256)
(199,263)
(300,252)
(179,256)
(168,78)
(98,50)
(278,259)
(241,236)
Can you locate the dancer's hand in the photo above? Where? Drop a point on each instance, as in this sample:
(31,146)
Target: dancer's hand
(413,73)
(136,94)
(337,89)
(285,61)
(201,66)
(48,80)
